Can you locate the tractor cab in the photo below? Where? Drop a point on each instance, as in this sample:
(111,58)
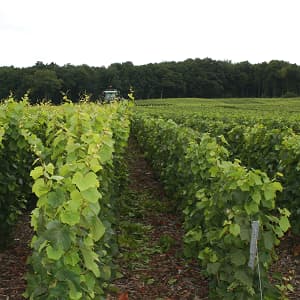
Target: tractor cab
(111,95)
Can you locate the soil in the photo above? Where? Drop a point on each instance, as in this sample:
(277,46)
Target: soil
(13,261)
(165,274)
(288,264)
(160,272)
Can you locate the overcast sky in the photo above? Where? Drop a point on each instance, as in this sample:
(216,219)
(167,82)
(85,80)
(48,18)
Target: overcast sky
(102,32)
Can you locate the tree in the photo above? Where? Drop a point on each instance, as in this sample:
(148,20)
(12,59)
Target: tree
(190,78)
(45,85)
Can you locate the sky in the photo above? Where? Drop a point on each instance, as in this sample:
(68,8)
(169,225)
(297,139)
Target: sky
(103,32)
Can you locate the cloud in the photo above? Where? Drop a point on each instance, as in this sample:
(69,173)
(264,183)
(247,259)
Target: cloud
(99,32)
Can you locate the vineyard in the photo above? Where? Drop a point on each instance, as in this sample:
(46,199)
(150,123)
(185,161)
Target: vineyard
(225,166)
(71,154)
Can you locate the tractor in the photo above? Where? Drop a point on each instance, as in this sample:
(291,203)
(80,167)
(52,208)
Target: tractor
(110,95)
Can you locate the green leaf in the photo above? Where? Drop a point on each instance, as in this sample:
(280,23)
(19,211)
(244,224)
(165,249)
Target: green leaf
(97,229)
(76,200)
(57,178)
(41,246)
(238,258)
(200,194)
(70,217)
(95,208)
(279,233)
(77,178)
(37,172)
(74,293)
(268,238)
(270,190)
(255,178)
(284,211)
(193,236)
(106,273)
(235,229)
(240,196)
(58,234)
(213,257)
(213,268)
(85,182)
(56,198)
(94,165)
(54,253)
(34,218)
(89,260)
(150,281)
(245,233)
(243,277)
(50,168)
(40,187)
(284,223)
(277,186)
(56,291)
(71,258)
(105,153)
(251,207)
(256,196)
(89,280)
(91,195)
(245,187)
(213,171)
(269,193)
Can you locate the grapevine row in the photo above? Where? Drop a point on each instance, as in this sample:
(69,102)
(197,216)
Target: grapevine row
(219,199)
(272,147)
(77,153)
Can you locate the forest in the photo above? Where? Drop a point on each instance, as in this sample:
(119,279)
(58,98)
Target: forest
(204,78)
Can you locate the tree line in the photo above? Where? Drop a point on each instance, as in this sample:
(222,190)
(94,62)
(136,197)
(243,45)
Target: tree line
(205,78)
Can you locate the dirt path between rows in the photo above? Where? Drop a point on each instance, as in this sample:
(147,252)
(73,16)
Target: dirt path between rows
(161,272)
(13,261)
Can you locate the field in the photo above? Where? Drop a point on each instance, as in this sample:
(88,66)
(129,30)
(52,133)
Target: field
(278,105)
(108,224)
